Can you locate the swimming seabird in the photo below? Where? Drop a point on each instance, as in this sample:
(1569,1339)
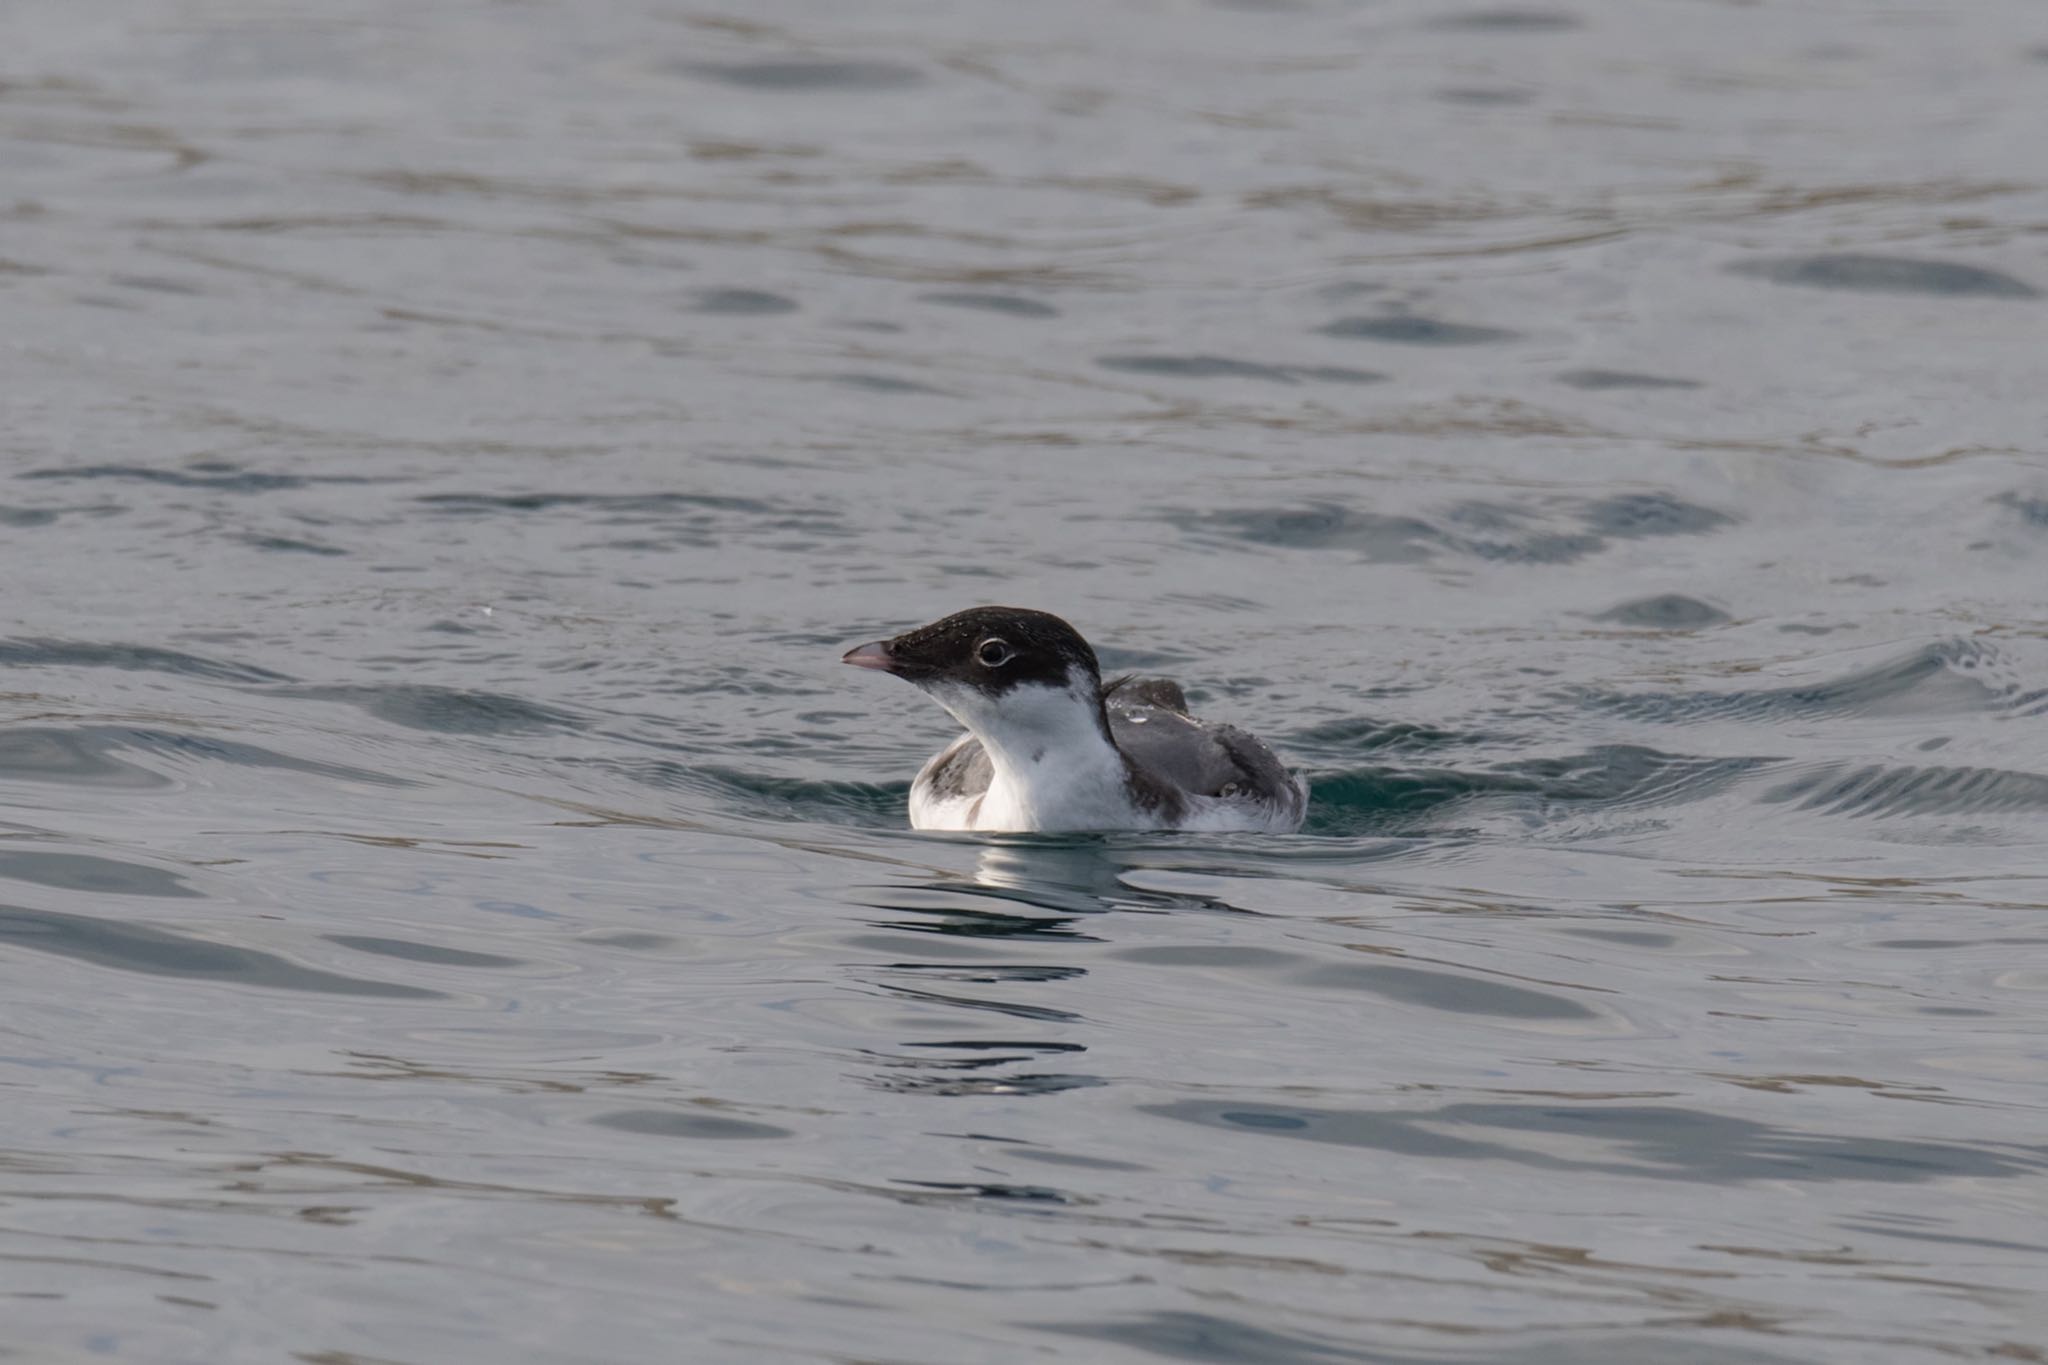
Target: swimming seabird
(1050,747)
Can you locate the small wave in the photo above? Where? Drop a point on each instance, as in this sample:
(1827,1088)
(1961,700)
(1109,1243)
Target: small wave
(92,874)
(1880,790)
(1931,680)
(474,504)
(1381,800)
(867,805)
(158,952)
(85,756)
(1359,735)
(213,474)
(1545,532)
(41,653)
(445,710)
(1869,274)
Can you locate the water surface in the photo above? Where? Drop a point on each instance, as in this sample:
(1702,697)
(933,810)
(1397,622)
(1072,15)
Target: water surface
(453,907)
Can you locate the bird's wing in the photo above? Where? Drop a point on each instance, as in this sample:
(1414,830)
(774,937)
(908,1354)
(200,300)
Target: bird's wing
(1148,717)
(1179,751)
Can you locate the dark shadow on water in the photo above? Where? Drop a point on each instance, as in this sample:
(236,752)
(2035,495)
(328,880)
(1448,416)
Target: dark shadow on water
(620,505)
(85,872)
(285,545)
(803,75)
(1507,21)
(216,475)
(1665,611)
(881,383)
(683,1123)
(1407,330)
(1009,305)
(2032,510)
(1944,1239)
(1634,516)
(1222,367)
(1484,97)
(1453,992)
(1229,955)
(1599,380)
(1887,275)
(745,303)
(1213,1339)
(157,952)
(405,950)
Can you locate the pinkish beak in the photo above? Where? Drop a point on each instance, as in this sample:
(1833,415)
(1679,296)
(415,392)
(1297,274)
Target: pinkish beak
(874,656)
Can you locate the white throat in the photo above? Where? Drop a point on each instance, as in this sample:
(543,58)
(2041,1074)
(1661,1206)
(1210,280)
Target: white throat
(1054,766)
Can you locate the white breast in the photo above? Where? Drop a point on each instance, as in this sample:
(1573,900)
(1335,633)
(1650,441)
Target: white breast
(1052,766)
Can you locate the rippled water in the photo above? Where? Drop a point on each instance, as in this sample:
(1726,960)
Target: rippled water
(456,908)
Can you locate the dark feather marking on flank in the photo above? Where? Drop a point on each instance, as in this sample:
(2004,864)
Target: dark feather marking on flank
(964,771)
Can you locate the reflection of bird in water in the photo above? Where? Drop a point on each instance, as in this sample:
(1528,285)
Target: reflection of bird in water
(1033,892)
(1070,877)
(1036,888)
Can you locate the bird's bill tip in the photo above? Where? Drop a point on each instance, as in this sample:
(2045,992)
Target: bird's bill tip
(875,656)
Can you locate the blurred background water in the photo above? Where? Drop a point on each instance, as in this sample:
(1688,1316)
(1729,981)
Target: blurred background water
(456,909)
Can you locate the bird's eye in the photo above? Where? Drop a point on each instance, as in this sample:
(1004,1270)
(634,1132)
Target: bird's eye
(993,654)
